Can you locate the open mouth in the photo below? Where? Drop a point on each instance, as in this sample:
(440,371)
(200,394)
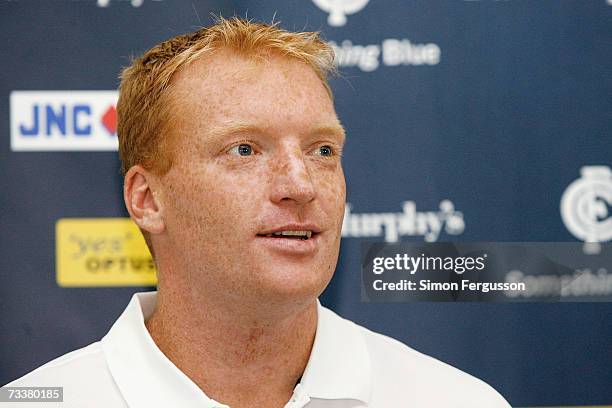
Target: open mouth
(301,235)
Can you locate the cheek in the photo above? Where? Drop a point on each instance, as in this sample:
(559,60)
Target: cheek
(332,192)
(210,197)
(190,196)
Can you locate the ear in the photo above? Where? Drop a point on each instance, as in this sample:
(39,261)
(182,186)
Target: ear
(140,200)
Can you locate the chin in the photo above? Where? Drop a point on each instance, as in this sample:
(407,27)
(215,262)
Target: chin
(294,283)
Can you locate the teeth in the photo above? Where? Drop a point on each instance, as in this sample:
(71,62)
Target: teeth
(301,234)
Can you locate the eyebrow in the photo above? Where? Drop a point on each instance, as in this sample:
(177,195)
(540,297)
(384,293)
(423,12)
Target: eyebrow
(219,132)
(335,129)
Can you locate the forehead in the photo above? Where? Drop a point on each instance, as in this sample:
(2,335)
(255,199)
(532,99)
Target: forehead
(268,89)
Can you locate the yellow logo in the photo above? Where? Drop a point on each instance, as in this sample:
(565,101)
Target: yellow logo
(102,252)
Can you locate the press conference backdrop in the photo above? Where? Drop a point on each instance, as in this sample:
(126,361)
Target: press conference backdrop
(466,121)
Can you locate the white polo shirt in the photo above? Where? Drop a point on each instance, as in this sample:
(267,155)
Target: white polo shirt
(349,366)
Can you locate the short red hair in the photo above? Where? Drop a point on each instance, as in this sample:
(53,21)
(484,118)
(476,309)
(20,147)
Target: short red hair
(144,112)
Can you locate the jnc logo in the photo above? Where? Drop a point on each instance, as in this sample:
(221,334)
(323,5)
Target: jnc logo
(586,205)
(63,120)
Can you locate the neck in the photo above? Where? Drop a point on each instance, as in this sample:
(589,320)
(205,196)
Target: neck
(239,357)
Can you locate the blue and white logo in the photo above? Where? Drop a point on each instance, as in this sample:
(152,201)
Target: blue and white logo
(586,203)
(63,120)
(408,223)
(134,3)
(338,9)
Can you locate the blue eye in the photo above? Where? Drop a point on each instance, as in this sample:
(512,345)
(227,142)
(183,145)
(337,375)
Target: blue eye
(242,149)
(325,151)
(245,149)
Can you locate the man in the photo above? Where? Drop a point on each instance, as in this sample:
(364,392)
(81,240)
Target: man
(231,150)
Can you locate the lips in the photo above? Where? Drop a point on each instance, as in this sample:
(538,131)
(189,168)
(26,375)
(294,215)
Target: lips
(294,239)
(291,234)
(291,231)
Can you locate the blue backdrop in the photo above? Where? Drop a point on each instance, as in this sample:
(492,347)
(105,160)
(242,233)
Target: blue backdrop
(479,113)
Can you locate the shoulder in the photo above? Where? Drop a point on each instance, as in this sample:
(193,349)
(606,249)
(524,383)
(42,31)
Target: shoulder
(83,374)
(88,361)
(401,374)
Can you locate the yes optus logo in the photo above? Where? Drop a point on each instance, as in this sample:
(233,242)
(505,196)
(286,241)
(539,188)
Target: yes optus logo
(338,9)
(585,205)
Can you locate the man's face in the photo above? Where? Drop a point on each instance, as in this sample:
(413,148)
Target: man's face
(257,153)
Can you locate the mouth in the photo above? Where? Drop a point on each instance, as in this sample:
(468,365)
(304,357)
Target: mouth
(291,234)
(294,242)
(291,238)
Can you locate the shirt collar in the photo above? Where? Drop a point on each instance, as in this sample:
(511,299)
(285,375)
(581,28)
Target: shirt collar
(338,368)
(144,375)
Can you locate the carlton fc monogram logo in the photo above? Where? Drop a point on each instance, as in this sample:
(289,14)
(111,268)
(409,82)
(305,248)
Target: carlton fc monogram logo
(338,9)
(586,203)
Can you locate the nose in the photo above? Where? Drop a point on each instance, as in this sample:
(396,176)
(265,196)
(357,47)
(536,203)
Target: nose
(291,179)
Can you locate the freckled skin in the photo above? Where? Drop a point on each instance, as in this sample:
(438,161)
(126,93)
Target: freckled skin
(214,202)
(236,316)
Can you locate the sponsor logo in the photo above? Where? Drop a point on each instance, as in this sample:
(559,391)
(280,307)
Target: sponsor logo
(585,206)
(391,52)
(63,120)
(101,252)
(410,222)
(338,9)
(134,3)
